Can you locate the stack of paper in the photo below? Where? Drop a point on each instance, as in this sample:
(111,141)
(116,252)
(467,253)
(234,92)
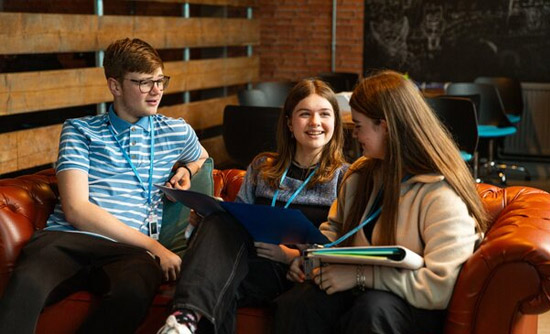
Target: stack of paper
(394,256)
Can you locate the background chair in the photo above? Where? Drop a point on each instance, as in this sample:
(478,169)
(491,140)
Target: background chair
(492,121)
(459,116)
(252,97)
(510,93)
(340,81)
(275,91)
(249,130)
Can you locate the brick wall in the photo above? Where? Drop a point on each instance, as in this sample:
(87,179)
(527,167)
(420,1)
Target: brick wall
(296,37)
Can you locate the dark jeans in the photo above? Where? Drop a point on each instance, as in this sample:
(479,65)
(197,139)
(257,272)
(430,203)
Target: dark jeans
(220,272)
(54,264)
(307,309)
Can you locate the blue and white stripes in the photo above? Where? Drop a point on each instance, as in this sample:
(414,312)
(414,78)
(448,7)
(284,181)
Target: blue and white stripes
(87,144)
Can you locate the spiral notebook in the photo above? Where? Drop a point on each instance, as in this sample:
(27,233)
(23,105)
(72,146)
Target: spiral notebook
(274,225)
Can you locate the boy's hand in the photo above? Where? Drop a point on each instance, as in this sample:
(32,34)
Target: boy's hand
(180,180)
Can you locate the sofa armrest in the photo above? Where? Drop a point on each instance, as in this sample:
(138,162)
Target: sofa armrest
(227,183)
(25,204)
(508,276)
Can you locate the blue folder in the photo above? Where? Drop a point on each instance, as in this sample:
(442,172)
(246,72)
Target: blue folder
(274,225)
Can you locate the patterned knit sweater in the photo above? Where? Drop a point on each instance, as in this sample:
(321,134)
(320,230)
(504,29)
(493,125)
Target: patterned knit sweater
(314,202)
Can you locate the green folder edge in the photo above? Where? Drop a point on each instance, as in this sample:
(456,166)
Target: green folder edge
(393,253)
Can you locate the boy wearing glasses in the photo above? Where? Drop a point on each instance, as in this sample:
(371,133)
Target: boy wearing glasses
(102,237)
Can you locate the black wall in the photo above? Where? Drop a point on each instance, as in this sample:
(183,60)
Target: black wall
(458,40)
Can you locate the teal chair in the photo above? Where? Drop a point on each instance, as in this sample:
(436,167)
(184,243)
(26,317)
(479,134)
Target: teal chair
(459,115)
(493,124)
(510,93)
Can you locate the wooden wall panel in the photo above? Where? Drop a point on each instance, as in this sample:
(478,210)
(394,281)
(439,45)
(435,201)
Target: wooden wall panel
(37,33)
(45,33)
(35,147)
(241,3)
(210,73)
(28,148)
(216,148)
(8,152)
(201,114)
(31,91)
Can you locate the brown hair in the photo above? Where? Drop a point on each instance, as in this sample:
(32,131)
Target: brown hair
(130,55)
(332,156)
(417,143)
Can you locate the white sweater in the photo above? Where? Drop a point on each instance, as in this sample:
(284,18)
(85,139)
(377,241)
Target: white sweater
(434,222)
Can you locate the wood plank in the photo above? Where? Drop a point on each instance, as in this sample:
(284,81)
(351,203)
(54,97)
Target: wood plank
(44,33)
(29,148)
(216,149)
(212,73)
(8,152)
(35,147)
(32,91)
(201,114)
(236,3)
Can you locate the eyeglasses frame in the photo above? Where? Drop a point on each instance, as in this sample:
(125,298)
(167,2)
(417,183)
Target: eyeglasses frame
(164,80)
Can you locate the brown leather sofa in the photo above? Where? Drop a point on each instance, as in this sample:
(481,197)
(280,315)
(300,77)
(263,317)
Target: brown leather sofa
(501,288)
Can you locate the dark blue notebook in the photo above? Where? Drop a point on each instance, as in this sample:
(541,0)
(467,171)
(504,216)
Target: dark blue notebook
(274,225)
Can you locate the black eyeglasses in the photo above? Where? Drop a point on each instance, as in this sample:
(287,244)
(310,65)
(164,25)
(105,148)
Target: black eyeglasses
(146,86)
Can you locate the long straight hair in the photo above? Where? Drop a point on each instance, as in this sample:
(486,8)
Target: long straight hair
(332,156)
(417,143)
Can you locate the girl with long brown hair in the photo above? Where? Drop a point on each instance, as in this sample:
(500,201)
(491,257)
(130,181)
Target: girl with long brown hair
(224,267)
(428,203)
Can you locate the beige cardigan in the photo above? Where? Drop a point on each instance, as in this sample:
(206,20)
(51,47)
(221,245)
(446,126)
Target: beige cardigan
(434,222)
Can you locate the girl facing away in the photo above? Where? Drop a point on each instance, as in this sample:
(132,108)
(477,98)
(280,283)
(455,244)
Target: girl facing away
(223,267)
(429,204)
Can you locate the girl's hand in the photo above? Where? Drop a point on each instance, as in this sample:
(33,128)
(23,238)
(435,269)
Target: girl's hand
(295,272)
(279,253)
(335,277)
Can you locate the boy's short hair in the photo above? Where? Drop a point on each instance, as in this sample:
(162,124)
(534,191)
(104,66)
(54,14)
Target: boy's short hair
(130,55)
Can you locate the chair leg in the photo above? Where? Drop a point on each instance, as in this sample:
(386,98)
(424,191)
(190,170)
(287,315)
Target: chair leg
(475,167)
(502,177)
(491,167)
(521,169)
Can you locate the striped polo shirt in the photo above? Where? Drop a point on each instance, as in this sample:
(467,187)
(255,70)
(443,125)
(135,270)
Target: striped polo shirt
(87,144)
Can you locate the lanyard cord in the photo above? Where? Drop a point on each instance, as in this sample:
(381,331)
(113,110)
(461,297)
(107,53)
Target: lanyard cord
(152,156)
(374,212)
(306,181)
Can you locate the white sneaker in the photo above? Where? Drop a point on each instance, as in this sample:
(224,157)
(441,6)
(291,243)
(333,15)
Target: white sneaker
(172,326)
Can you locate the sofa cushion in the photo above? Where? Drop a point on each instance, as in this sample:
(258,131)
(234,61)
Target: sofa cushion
(175,217)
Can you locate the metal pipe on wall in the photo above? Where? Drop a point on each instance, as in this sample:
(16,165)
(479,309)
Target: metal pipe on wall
(333,41)
(101,108)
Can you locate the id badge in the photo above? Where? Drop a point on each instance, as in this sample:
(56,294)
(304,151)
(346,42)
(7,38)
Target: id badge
(308,264)
(152,221)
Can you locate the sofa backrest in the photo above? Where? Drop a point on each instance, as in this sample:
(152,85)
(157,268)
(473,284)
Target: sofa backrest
(28,200)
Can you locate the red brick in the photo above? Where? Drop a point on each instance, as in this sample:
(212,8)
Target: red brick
(296,37)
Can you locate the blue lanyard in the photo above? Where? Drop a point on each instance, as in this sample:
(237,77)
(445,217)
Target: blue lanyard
(375,211)
(297,190)
(373,214)
(152,156)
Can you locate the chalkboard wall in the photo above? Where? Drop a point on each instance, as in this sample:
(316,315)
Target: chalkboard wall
(446,40)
